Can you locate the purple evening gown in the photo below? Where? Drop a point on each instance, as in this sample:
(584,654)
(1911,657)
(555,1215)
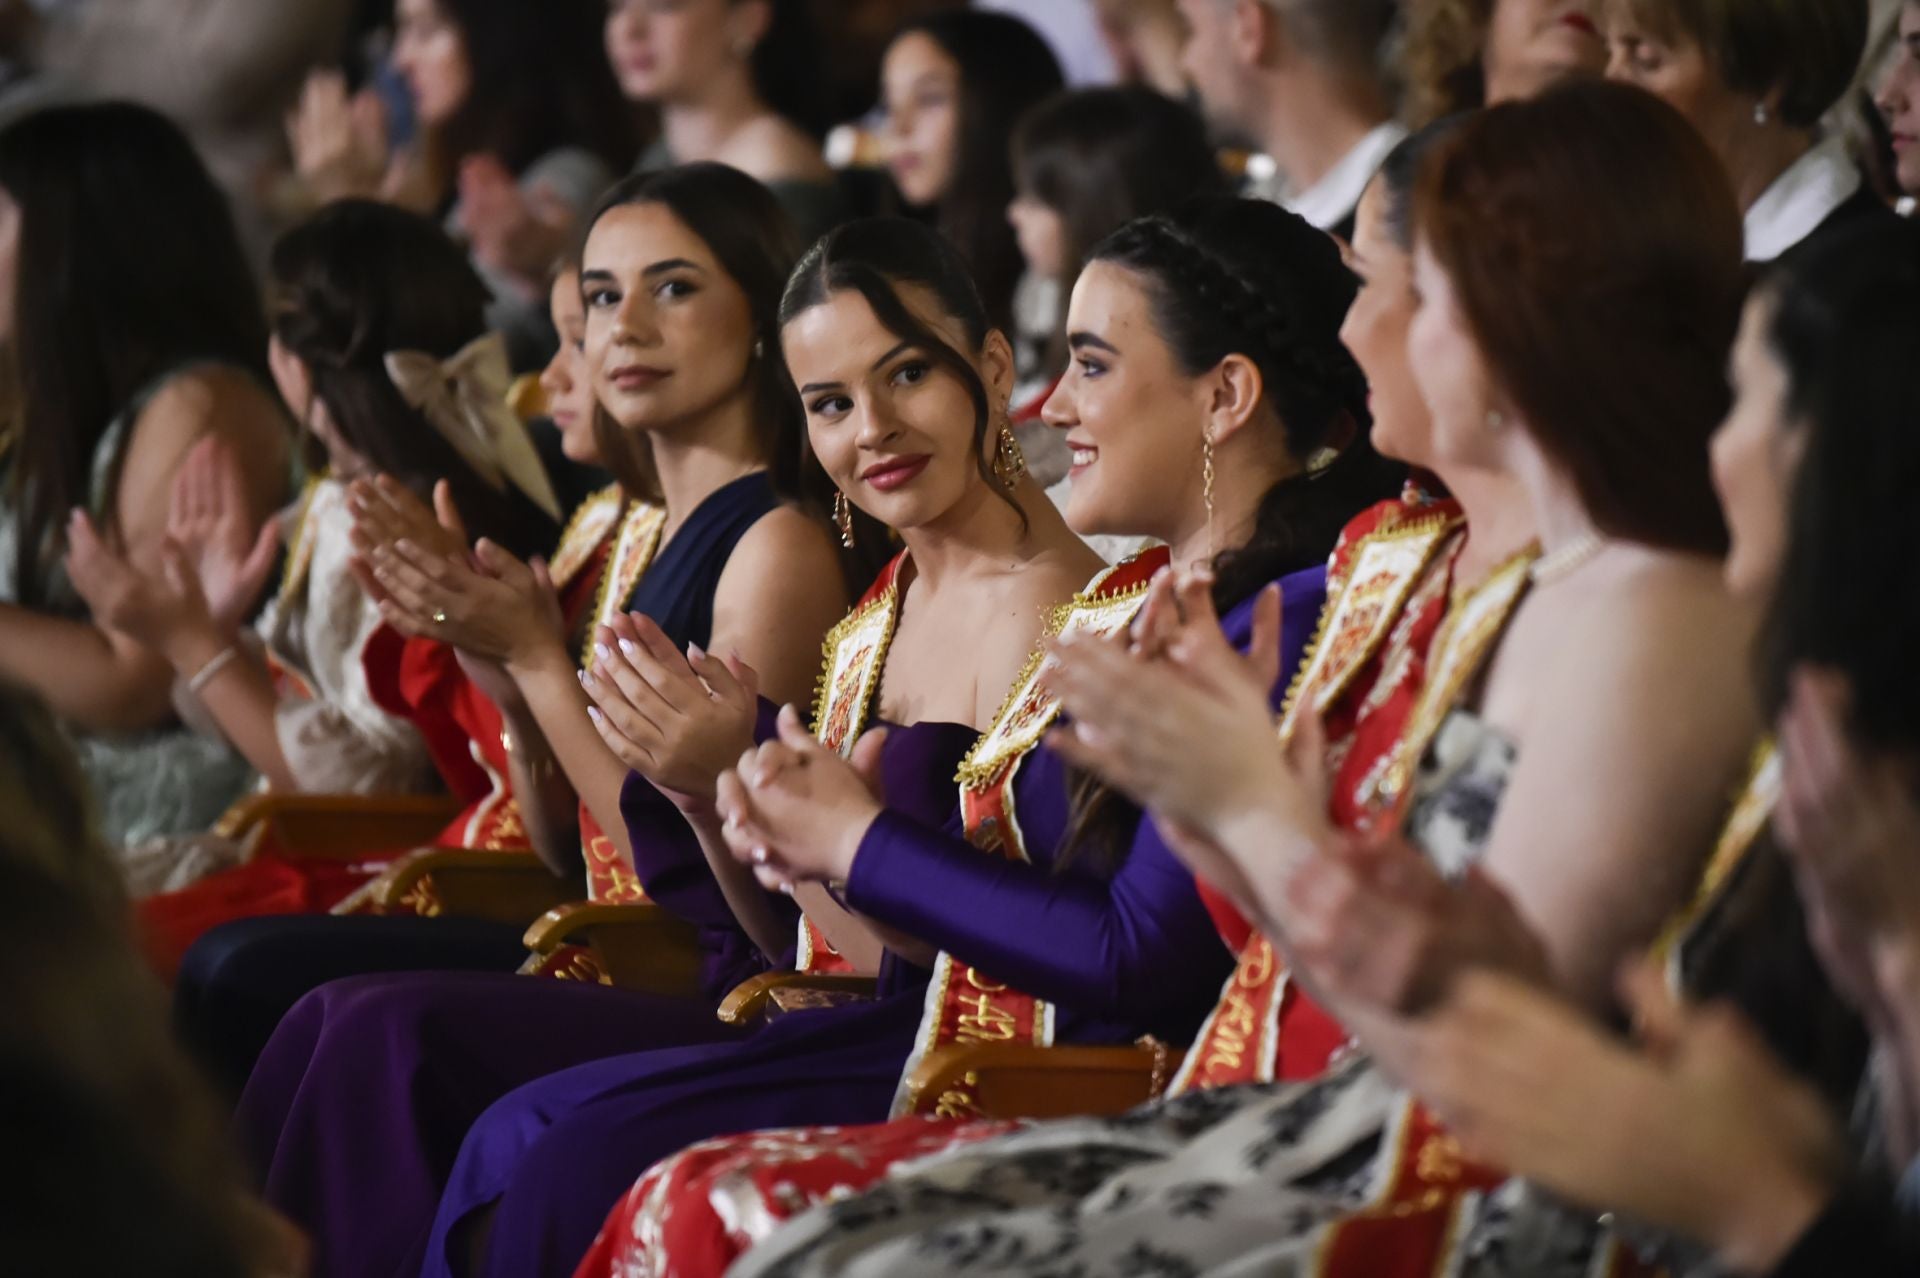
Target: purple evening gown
(1119,953)
(358,1104)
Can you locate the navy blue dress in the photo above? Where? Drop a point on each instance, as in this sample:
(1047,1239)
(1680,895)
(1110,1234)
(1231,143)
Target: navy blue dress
(238,980)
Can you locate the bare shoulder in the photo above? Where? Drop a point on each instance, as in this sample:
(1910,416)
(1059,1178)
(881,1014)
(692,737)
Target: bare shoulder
(1655,627)
(774,149)
(211,399)
(785,564)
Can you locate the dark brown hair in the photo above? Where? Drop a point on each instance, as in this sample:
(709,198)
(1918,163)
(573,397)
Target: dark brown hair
(1808,50)
(1596,250)
(129,270)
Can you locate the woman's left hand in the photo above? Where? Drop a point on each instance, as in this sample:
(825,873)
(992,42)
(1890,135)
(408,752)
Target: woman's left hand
(795,810)
(496,607)
(165,611)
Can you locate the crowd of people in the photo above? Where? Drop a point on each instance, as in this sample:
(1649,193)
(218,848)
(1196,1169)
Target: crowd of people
(695,637)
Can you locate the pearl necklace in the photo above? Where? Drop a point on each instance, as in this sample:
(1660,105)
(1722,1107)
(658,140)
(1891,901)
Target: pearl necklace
(1551,568)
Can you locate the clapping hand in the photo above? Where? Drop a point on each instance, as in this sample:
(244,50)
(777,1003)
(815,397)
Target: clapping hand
(795,810)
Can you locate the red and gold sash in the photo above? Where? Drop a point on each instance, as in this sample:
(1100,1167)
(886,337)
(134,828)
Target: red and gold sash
(855,656)
(965,1005)
(1415,1216)
(1382,579)
(584,549)
(610,878)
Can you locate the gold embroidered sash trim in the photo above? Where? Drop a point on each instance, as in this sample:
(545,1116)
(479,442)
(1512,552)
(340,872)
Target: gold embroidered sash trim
(855,657)
(1749,816)
(306,535)
(1386,566)
(1109,602)
(1240,1041)
(632,555)
(964,1005)
(1475,621)
(595,518)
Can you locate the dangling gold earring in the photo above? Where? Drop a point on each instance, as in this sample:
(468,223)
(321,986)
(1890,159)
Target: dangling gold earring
(1009,459)
(843,519)
(1206,485)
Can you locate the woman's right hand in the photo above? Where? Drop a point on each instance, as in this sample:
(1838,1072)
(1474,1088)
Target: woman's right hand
(679,721)
(210,524)
(339,141)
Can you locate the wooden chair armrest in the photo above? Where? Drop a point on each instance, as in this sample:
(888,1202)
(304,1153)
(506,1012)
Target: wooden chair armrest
(337,826)
(1017,1080)
(635,947)
(469,883)
(750,1000)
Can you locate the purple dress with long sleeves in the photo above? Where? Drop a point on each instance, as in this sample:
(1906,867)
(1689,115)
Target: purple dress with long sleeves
(355,1111)
(1118,952)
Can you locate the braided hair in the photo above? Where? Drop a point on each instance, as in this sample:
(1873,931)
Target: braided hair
(1228,276)
(1235,276)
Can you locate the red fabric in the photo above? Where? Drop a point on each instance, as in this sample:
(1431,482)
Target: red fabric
(419,680)
(786,1173)
(268,884)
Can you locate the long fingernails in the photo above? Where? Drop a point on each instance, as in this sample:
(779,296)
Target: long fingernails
(587,680)
(628,647)
(599,720)
(603,652)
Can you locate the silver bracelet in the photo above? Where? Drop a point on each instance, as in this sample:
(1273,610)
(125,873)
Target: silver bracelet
(221,660)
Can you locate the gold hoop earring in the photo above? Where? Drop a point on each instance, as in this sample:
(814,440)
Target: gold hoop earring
(1206,485)
(843,519)
(1009,459)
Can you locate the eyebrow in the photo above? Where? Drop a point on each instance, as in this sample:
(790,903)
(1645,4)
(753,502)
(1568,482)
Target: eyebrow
(671,264)
(811,387)
(1076,341)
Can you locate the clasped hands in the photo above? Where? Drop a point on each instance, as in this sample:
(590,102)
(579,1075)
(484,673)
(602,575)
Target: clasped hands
(1174,717)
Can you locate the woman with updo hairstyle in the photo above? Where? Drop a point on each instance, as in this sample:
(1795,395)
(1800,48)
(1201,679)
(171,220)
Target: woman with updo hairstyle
(375,314)
(1756,77)
(1460,54)
(1207,393)
(1544,774)
(955,84)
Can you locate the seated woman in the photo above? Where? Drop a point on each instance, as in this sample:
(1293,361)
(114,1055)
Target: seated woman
(1552,673)
(955,84)
(378,1182)
(376,313)
(521,129)
(735,82)
(1075,925)
(683,272)
(1262,1028)
(422,682)
(1813,463)
(1085,162)
(126,351)
(1756,78)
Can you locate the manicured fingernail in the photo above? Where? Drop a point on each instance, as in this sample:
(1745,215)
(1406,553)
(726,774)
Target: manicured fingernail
(603,652)
(586,679)
(761,856)
(786,889)
(696,653)
(628,647)
(599,720)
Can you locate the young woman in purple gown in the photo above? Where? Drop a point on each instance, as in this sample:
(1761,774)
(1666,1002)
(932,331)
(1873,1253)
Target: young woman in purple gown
(1208,381)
